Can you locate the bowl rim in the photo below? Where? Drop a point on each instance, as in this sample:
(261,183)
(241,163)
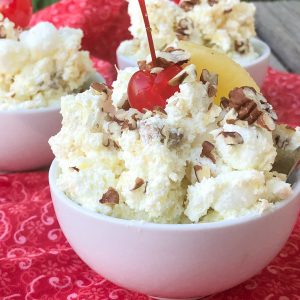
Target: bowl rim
(265,52)
(262,47)
(29,111)
(55,107)
(158,226)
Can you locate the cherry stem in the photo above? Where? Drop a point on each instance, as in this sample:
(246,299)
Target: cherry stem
(148,30)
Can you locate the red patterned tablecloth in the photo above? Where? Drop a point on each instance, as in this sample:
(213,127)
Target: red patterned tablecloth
(36,261)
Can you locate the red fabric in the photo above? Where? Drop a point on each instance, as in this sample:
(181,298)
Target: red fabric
(36,262)
(104,23)
(106,69)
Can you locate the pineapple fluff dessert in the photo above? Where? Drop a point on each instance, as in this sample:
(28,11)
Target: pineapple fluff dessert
(39,65)
(188,160)
(224,25)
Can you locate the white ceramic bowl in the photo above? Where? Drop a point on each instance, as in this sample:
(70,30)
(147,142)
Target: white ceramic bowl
(257,68)
(24,135)
(174,261)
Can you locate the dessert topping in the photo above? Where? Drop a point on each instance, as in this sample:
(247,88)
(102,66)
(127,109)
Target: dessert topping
(232,138)
(201,172)
(138,183)
(110,197)
(212,80)
(183,28)
(188,5)
(251,107)
(213,2)
(207,149)
(241,47)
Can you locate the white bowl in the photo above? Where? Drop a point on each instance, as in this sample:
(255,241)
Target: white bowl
(24,135)
(257,68)
(174,261)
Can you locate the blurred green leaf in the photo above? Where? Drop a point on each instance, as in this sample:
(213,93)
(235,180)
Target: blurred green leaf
(39,4)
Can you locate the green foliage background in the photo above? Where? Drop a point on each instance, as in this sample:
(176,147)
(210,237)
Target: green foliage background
(38,4)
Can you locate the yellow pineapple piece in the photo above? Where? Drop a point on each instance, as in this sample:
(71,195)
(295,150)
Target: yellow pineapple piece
(230,74)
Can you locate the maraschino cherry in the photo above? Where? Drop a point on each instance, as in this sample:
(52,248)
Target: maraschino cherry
(17,11)
(148,90)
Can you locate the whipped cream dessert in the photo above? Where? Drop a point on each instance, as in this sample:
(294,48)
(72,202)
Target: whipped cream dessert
(192,161)
(39,65)
(224,25)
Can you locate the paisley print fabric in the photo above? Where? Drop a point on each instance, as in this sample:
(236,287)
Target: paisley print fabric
(36,261)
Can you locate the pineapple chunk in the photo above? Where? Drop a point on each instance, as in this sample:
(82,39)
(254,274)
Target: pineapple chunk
(230,74)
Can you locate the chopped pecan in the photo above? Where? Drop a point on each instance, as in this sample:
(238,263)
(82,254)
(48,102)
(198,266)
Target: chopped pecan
(75,169)
(183,28)
(128,125)
(188,5)
(159,110)
(265,121)
(143,66)
(231,121)
(201,172)
(281,143)
(212,80)
(178,79)
(126,105)
(138,183)
(171,49)
(227,11)
(116,145)
(207,149)
(212,2)
(251,109)
(241,47)
(100,87)
(167,58)
(224,103)
(110,197)
(232,138)
(163,63)
(174,139)
(145,189)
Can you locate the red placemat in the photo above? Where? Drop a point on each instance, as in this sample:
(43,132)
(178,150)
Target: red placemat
(36,261)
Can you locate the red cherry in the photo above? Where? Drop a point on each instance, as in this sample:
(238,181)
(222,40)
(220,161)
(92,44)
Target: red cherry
(18,11)
(146,90)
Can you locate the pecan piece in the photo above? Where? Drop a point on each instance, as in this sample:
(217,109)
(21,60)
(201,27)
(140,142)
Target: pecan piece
(178,79)
(251,109)
(138,183)
(183,28)
(75,169)
(232,138)
(212,80)
(241,47)
(201,172)
(207,149)
(265,121)
(111,196)
(213,2)
(100,87)
(188,5)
